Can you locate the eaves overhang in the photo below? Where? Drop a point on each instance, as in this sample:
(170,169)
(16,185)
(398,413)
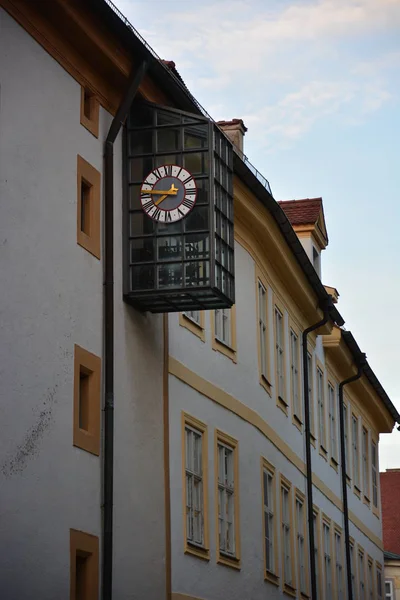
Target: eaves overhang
(359,356)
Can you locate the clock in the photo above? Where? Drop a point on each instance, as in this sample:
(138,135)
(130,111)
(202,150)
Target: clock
(168,193)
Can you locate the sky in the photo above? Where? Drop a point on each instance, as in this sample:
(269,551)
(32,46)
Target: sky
(317,83)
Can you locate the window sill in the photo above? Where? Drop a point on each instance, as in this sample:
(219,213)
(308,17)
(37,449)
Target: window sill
(192,326)
(323,453)
(282,405)
(348,481)
(366,500)
(357,491)
(228,561)
(271,578)
(313,440)
(203,553)
(375,511)
(266,385)
(224,349)
(304,595)
(334,464)
(297,422)
(289,590)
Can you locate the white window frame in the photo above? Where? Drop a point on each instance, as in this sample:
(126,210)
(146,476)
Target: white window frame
(193,315)
(263,328)
(294,374)
(226,498)
(286,524)
(365,460)
(374,473)
(269,519)
(339,565)
(223,326)
(332,421)
(361,575)
(370,574)
(280,352)
(326,538)
(301,544)
(389,595)
(355,444)
(321,408)
(195,509)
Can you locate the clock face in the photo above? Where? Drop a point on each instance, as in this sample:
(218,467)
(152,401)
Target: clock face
(168,193)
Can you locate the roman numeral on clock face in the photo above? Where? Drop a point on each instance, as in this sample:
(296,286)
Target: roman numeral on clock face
(188,202)
(147,205)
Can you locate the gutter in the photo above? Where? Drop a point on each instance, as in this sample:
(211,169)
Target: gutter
(108,461)
(328,309)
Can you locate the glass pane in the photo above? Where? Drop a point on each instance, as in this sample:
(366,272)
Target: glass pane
(169,248)
(167,118)
(142,277)
(141,142)
(196,162)
(169,227)
(197,219)
(140,168)
(195,136)
(141,115)
(202,191)
(141,224)
(197,245)
(134,197)
(142,250)
(166,159)
(169,140)
(170,275)
(197,273)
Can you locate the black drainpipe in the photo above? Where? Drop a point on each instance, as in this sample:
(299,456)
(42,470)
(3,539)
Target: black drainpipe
(310,511)
(360,367)
(108,463)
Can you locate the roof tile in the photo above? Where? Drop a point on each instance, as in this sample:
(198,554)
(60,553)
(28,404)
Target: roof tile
(302,212)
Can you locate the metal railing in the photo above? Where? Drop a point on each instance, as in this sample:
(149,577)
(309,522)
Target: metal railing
(128,24)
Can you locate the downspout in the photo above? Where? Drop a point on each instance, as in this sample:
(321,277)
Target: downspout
(310,511)
(360,367)
(108,462)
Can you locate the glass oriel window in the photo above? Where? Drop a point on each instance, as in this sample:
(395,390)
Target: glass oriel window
(279,353)
(226,500)
(194,486)
(262,329)
(269,520)
(223,325)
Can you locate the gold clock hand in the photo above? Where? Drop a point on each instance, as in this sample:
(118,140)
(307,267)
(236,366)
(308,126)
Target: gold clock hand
(160,200)
(171,192)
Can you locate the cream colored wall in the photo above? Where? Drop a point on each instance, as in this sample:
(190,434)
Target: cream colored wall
(392,572)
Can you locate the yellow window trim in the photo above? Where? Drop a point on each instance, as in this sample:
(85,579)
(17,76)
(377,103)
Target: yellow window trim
(197,329)
(301,496)
(332,382)
(361,552)
(323,450)
(281,401)
(87,174)
(91,123)
(375,509)
(217,345)
(367,492)
(225,438)
(285,483)
(313,435)
(297,420)
(89,438)
(265,380)
(247,414)
(317,536)
(339,530)
(86,545)
(189,548)
(272,577)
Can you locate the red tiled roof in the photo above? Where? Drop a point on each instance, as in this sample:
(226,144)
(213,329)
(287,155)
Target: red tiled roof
(302,212)
(233,122)
(390,494)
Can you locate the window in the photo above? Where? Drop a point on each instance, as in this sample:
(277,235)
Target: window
(321,407)
(311,391)
(301,543)
(346,438)
(379,588)
(365,460)
(88,230)
(339,565)
(84,566)
(286,532)
(374,473)
(355,444)
(317,261)
(370,580)
(326,536)
(332,421)
(295,374)
(389,590)
(270,541)
(361,575)
(353,569)
(316,547)
(223,321)
(193,320)
(228,507)
(89,111)
(279,353)
(195,474)
(263,330)
(86,421)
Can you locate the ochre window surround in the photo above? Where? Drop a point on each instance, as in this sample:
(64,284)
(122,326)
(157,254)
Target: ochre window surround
(87,388)
(88,207)
(195,476)
(227,347)
(84,566)
(89,111)
(270,522)
(280,355)
(302,543)
(227,489)
(263,331)
(195,323)
(295,377)
(287,537)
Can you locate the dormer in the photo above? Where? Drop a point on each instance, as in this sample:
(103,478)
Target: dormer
(307,219)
